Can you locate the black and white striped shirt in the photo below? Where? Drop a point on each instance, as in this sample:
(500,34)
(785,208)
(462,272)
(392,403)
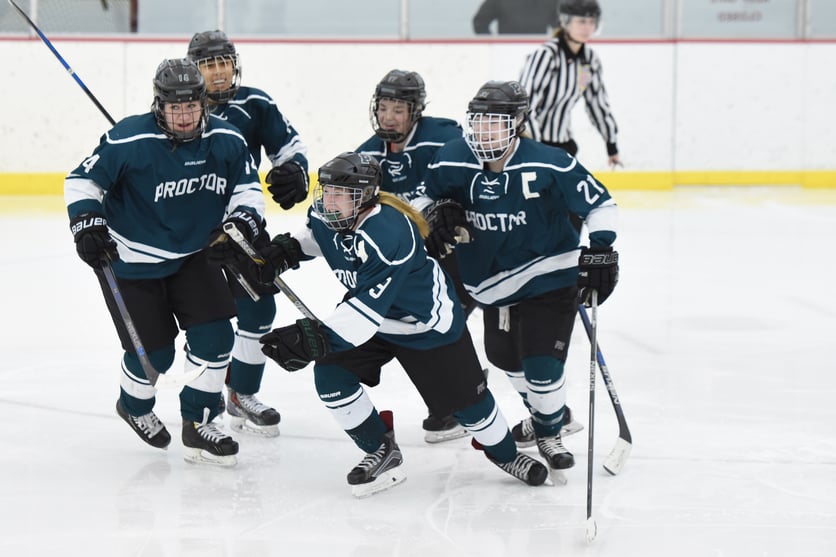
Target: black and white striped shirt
(555,79)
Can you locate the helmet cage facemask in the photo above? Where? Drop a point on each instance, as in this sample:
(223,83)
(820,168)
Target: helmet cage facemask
(220,97)
(393,136)
(491,135)
(361,197)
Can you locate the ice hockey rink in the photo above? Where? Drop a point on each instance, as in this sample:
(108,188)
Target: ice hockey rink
(719,338)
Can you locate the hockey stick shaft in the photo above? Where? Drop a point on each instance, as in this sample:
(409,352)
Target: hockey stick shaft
(623,430)
(591,528)
(152,374)
(67,67)
(238,237)
(615,461)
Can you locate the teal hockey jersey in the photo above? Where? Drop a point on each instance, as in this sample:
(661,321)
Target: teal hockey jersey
(403,172)
(395,290)
(523,242)
(162,199)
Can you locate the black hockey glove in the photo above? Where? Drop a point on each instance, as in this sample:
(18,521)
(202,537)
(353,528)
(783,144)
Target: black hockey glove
(598,270)
(92,239)
(295,346)
(281,254)
(448,227)
(288,184)
(223,251)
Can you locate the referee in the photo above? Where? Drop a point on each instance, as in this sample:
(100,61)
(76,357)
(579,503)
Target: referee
(562,71)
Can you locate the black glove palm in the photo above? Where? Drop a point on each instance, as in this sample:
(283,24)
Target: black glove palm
(448,227)
(281,254)
(223,251)
(288,184)
(598,270)
(295,346)
(92,239)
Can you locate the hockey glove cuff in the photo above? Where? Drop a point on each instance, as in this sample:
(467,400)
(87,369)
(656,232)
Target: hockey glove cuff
(597,270)
(92,239)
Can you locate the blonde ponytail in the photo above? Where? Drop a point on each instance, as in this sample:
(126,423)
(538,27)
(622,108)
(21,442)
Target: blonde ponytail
(414,215)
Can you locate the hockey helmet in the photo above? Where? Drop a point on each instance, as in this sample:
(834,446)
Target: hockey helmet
(495,116)
(399,85)
(347,185)
(215,47)
(178,81)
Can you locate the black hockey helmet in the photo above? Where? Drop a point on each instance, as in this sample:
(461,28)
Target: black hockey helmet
(578,8)
(500,97)
(177,81)
(215,46)
(354,176)
(400,85)
(495,116)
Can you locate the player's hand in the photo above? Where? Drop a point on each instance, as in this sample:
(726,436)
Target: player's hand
(288,184)
(295,346)
(92,239)
(281,254)
(598,270)
(223,251)
(448,227)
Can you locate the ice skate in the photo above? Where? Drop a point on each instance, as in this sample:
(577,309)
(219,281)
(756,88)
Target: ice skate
(379,470)
(523,432)
(148,427)
(438,430)
(250,415)
(524,468)
(205,443)
(557,456)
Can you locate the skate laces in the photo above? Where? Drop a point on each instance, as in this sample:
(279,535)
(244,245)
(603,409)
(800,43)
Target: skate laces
(148,423)
(210,432)
(374,459)
(527,427)
(551,445)
(249,403)
(519,467)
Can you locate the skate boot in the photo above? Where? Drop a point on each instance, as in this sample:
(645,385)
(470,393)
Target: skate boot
(379,470)
(524,468)
(556,455)
(205,443)
(523,432)
(149,427)
(250,415)
(437,430)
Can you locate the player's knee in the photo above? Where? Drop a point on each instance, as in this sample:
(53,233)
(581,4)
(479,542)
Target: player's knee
(256,316)
(211,341)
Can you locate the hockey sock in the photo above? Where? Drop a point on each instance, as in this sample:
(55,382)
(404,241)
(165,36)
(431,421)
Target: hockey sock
(488,426)
(546,397)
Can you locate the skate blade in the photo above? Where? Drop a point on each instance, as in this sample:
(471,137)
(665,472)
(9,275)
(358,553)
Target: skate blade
(245,426)
(199,456)
(385,481)
(525,444)
(571,428)
(556,478)
(446,435)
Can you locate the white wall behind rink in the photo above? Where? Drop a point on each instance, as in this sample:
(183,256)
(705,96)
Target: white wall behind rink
(680,106)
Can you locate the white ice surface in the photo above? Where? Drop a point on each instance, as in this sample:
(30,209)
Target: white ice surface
(720,340)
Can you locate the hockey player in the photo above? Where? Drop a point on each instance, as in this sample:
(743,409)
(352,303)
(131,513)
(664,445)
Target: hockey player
(148,199)
(399,305)
(514,195)
(261,123)
(404,143)
(563,70)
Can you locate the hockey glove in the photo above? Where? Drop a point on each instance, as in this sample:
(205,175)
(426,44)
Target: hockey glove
(288,184)
(295,346)
(598,270)
(92,239)
(281,254)
(223,251)
(448,227)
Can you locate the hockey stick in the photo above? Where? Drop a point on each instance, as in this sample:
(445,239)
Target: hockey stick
(63,63)
(157,379)
(591,526)
(624,444)
(238,237)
